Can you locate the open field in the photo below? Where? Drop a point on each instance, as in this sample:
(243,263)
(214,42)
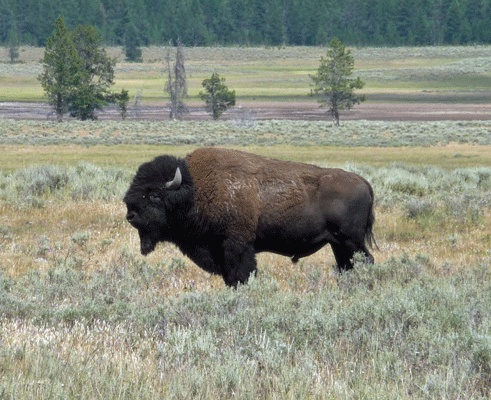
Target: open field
(435,74)
(84,315)
(274,83)
(301,136)
(449,156)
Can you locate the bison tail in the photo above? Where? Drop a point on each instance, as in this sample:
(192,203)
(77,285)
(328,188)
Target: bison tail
(369,236)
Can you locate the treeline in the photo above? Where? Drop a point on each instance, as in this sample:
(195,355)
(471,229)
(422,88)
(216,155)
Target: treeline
(255,22)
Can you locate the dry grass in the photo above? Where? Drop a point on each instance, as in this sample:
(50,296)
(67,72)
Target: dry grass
(94,356)
(40,237)
(85,315)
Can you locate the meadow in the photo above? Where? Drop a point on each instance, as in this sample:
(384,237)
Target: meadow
(83,315)
(282,74)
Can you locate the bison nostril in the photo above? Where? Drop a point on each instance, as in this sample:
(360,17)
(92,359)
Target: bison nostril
(130,216)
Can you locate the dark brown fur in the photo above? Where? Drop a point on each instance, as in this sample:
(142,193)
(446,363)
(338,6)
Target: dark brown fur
(240,204)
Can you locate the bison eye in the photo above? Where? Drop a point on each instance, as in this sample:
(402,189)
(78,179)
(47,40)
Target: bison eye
(154,197)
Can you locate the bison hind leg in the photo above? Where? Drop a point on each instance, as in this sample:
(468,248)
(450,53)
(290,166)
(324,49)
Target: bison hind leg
(343,257)
(344,253)
(240,262)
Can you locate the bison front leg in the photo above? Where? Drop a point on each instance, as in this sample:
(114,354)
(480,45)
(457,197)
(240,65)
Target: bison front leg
(204,258)
(239,262)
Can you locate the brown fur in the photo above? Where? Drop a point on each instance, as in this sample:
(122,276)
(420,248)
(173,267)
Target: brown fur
(244,203)
(246,189)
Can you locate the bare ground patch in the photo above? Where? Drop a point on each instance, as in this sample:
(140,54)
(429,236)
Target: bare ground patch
(308,111)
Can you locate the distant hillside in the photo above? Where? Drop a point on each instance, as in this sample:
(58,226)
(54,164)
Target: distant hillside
(256,22)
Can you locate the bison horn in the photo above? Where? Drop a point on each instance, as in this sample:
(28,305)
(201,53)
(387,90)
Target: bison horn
(176,182)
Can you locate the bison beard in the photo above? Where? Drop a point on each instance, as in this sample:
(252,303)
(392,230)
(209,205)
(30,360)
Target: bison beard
(221,207)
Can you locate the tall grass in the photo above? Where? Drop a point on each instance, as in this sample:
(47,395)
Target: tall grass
(390,330)
(84,315)
(35,185)
(394,185)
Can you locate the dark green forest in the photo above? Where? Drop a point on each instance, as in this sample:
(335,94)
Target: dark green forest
(255,22)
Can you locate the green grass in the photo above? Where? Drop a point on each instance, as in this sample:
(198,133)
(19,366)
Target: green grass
(130,156)
(384,331)
(450,143)
(256,71)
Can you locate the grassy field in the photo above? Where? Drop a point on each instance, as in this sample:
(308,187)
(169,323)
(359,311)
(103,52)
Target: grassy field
(449,144)
(84,315)
(281,74)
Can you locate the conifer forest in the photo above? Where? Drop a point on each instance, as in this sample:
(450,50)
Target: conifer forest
(255,22)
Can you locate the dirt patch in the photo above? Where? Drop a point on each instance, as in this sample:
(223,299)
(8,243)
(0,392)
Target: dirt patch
(308,111)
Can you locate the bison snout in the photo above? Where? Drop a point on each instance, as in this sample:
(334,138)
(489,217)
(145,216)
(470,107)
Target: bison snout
(130,216)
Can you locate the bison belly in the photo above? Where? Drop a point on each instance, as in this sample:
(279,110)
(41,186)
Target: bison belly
(295,240)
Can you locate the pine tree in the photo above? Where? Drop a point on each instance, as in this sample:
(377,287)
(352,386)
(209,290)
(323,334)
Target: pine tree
(96,75)
(332,80)
(61,69)
(217,96)
(132,50)
(121,99)
(77,73)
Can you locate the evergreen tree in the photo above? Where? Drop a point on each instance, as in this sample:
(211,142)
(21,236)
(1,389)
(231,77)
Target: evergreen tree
(77,73)
(195,33)
(256,22)
(96,75)
(121,99)
(332,80)
(61,69)
(6,17)
(217,96)
(453,30)
(274,27)
(436,27)
(132,50)
(223,22)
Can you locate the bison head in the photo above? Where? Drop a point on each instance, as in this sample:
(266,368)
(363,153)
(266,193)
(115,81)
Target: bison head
(159,199)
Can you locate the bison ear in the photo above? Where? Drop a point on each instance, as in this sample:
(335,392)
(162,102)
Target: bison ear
(176,182)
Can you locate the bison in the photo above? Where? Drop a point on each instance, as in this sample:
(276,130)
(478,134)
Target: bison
(221,207)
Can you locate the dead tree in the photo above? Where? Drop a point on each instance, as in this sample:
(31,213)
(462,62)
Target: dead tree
(176,84)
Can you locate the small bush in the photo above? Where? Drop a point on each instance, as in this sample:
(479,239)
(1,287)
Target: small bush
(82,182)
(417,207)
(465,208)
